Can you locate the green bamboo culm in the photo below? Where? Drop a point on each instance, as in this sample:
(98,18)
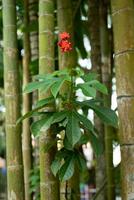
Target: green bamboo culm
(94,37)
(69,189)
(15,182)
(26,136)
(123,29)
(49,185)
(33,19)
(65,24)
(106,69)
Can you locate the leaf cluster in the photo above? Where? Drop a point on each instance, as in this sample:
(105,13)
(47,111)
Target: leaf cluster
(78,129)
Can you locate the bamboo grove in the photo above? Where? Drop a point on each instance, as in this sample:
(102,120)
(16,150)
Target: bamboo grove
(64,61)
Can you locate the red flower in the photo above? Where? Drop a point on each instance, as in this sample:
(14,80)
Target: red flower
(64,36)
(65,45)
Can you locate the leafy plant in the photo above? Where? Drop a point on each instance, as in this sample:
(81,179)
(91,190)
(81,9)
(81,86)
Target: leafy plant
(67,119)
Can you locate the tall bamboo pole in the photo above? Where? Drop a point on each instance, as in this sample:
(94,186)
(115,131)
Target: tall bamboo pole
(49,187)
(26,136)
(12,102)
(123,26)
(33,20)
(107,80)
(69,189)
(65,23)
(34,56)
(94,36)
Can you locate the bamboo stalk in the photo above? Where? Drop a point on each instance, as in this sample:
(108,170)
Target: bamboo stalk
(107,80)
(33,20)
(123,27)
(15,182)
(69,189)
(26,136)
(94,37)
(49,185)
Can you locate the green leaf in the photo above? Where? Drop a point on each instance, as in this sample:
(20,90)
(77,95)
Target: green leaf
(33,86)
(90,135)
(44,77)
(46,87)
(44,84)
(85,121)
(61,72)
(84,139)
(55,88)
(58,160)
(98,86)
(96,144)
(59,116)
(45,123)
(107,115)
(86,104)
(89,77)
(66,144)
(67,169)
(81,162)
(73,131)
(44,102)
(87,90)
(40,104)
(56,165)
(42,124)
